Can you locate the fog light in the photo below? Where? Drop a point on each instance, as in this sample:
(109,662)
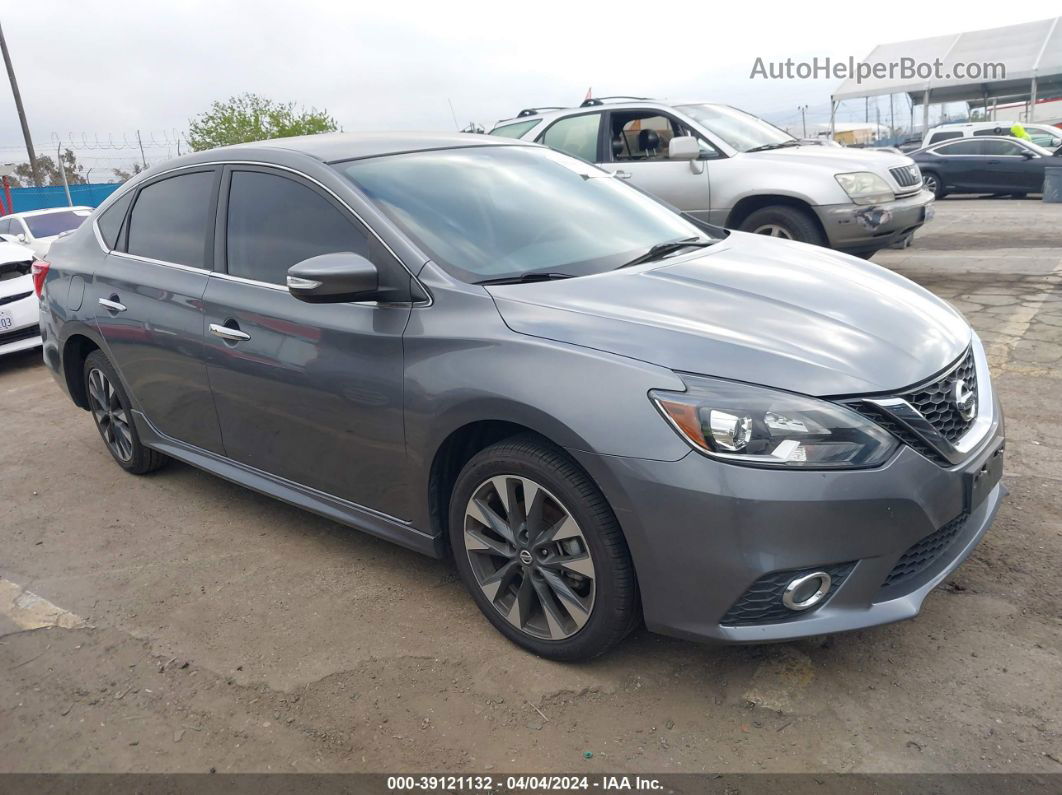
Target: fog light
(806,591)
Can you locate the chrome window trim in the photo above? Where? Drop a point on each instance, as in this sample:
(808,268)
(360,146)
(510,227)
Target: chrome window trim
(906,414)
(265,164)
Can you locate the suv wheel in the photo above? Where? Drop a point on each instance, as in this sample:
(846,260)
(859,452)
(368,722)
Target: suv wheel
(112,413)
(788,223)
(541,552)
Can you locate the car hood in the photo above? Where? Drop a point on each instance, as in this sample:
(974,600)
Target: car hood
(754,309)
(837,158)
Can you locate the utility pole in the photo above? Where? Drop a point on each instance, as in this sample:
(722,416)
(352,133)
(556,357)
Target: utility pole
(21,110)
(803,119)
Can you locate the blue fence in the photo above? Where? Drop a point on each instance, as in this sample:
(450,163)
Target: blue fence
(54,196)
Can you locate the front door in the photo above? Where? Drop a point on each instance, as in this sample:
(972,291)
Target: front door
(637,149)
(148,302)
(308,392)
(1003,167)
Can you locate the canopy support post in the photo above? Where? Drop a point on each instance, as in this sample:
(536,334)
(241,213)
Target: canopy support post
(1032,102)
(925,112)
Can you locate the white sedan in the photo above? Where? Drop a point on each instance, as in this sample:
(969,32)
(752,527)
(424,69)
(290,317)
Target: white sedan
(38,228)
(19,305)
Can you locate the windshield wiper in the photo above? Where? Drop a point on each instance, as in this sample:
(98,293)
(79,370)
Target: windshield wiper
(768,147)
(526,278)
(671,246)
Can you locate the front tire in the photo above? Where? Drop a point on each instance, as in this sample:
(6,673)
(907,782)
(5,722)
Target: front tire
(112,412)
(787,223)
(541,552)
(933,183)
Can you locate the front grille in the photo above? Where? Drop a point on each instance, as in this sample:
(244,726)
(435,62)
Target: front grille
(22,334)
(922,555)
(10,299)
(762,603)
(906,176)
(900,431)
(936,404)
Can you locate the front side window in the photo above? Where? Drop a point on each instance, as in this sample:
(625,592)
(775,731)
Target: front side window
(170,219)
(50,224)
(742,131)
(576,136)
(641,136)
(110,221)
(490,212)
(275,222)
(516,130)
(1001,148)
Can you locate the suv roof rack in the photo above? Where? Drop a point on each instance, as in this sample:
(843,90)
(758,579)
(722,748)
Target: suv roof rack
(592,101)
(536,111)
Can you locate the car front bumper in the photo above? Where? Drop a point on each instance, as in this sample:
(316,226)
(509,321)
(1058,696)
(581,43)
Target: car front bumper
(703,532)
(24,332)
(857,228)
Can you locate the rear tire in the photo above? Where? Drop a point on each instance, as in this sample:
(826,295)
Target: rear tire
(932,182)
(553,573)
(787,223)
(112,412)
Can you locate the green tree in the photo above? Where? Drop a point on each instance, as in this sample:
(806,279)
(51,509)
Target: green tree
(49,171)
(125,174)
(249,117)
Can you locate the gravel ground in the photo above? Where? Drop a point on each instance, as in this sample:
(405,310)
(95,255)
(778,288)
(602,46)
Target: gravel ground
(201,626)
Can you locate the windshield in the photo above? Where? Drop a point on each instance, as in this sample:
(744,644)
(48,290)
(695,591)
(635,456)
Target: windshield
(53,223)
(741,130)
(489,212)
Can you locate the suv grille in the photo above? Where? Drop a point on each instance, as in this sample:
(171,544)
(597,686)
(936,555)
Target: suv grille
(935,402)
(906,176)
(762,602)
(923,554)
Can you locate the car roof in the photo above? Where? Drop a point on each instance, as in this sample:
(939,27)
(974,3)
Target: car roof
(334,147)
(623,103)
(47,211)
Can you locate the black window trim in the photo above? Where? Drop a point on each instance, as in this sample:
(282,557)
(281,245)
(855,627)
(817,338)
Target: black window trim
(676,122)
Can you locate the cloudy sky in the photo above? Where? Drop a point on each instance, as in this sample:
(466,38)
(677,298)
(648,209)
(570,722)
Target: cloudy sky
(102,70)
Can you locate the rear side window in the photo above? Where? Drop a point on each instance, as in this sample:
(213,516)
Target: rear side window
(275,222)
(170,219)
(967,147)
(944,136)
(576,136)
(110,222)
(514,130)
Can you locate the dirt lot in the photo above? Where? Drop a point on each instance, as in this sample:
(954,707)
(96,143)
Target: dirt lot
(209,627)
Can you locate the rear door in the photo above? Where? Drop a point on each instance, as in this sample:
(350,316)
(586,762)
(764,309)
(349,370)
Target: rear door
(637,149)
(958,164)
(309,392)
(148,299)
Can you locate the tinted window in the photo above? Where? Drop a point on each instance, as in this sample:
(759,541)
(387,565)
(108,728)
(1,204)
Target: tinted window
(515,130)
(576,135)
(56,223)
(500,211)
(170,219)
(944,136)
(967,147)
(993,131)
(1001,148)
(275,222)
(110,222)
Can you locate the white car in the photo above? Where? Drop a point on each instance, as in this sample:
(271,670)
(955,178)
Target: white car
(19,304)
(38,228)
(1045,135)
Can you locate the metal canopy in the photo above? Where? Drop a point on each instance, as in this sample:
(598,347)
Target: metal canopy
(1030,51)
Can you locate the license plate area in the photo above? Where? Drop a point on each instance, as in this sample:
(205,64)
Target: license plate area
(6,320)
(983,476)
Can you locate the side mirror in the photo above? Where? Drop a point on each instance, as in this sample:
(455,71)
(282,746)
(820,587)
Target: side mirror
(1056,141)
(683,147)
(1027,154)
(334,278)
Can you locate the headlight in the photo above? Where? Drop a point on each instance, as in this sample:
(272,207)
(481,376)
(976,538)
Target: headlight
(754,425)
(865,187)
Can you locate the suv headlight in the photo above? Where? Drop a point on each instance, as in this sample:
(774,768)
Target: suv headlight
(764,427)
(865,187)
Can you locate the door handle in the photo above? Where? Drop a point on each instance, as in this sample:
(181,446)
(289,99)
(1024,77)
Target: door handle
(228,334)
(111,305)
(621,174)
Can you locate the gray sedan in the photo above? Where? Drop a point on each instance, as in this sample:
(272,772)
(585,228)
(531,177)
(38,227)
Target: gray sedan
(482,349)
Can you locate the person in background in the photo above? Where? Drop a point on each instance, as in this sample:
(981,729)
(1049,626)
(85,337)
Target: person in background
(1018,131)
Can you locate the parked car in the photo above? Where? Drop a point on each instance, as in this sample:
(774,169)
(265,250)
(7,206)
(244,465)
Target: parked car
(998,165)
(733,169)
(479,347)
(38,229)
(19,307)
(1045,135)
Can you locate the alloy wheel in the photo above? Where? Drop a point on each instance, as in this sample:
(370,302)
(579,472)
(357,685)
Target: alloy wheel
(111,417)
(773,230)
(930,183)
(529,557)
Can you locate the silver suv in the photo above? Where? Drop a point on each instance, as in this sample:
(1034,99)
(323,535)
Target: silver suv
(732,169)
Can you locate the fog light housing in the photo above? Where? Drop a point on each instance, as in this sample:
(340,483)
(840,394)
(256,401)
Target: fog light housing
(805,592)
